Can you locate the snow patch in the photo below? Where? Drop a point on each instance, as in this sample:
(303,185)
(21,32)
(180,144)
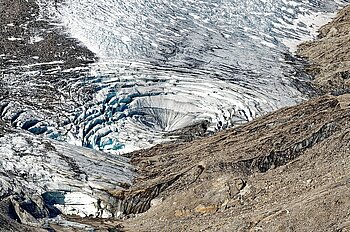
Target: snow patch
(35,39)
(14,39)
(313,21)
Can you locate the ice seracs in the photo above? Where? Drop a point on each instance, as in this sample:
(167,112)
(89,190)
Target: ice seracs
(167,65)
(69,179)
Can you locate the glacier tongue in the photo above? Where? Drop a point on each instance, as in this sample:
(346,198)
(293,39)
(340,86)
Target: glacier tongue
(69,179)
(137,107)
(165,65)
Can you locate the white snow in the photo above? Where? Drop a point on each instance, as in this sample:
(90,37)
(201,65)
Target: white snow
(14,39)
(77,203)
(35,39)
(313,21)
(44,63)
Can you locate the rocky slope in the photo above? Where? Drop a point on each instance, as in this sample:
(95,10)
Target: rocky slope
(329,56)
(287,171)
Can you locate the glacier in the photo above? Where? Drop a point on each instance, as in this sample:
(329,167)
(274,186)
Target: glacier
(68,179)
(166,65)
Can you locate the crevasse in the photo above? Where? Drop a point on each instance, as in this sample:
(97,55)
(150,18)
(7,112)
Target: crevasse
(165,65)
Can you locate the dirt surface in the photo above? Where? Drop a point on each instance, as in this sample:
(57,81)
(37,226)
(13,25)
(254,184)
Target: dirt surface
(35,50)
(329,56)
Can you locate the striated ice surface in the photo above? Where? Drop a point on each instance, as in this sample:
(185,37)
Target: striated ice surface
(165,65)
(71,179)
